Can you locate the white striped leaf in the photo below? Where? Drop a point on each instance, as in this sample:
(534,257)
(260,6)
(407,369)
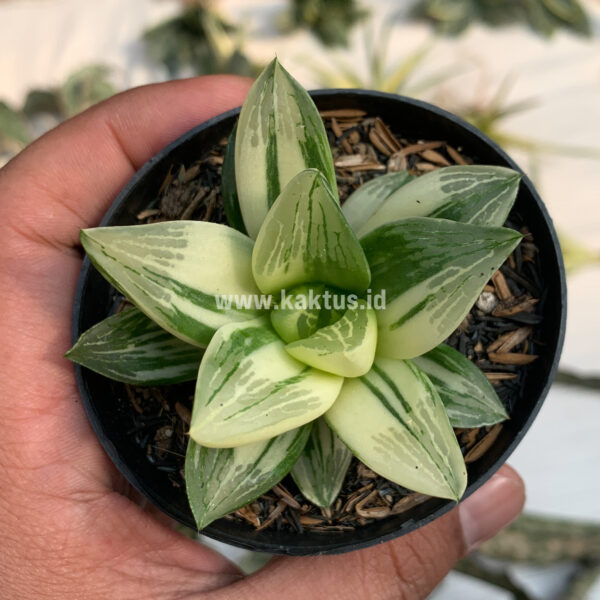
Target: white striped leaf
(306,239)
(346,348)
(393,420)
(250,389)
(468,396)
(364,202)
(477,194)
(320,470)
(280,133)
(221,480)
(174,271)
(131,348)
(297,314)
(432,272)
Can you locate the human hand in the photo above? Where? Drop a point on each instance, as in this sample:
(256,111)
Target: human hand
(68,531)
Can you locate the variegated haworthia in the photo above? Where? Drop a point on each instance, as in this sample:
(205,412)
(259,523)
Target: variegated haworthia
(273,364)
(175,271)
(362,204)
(250,389)
(305,238)
(221,480)
(131,348)
(346,347)
(280,133)
(432,271)
(394,421)
(320,470)
(478,194)
(468,396)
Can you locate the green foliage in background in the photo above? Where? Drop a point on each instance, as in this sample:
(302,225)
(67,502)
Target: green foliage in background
(45,108)
(329,20)
(200,41)
(394,78)
(452,17)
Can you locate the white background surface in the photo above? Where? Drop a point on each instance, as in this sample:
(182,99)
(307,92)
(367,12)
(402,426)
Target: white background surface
(43,41)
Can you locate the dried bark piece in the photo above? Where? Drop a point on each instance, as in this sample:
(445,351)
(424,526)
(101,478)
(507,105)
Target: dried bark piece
(503,310)
(376,140)
(483,445)
(286,496)
(497,377)
(184,413)
(408,502)
(397,162)
(512,358)
(386,135)
(435,157)
(502,290)
(513,339)
(456,156)
(248,514)
(336,128)
(146,214)
(416,148)
(425,167)
(343,113)
(279,508)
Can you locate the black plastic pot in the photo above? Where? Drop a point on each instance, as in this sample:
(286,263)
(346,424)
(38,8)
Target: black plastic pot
(105,400)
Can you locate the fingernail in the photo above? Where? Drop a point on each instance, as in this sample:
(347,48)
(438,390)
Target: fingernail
(493,506)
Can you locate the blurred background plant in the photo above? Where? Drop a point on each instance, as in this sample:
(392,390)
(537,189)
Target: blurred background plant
(380,46)
(329,20)
(199,42)
(452,17)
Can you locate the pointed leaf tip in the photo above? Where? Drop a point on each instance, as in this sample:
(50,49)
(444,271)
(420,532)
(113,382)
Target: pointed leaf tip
(280,133)
(306,239)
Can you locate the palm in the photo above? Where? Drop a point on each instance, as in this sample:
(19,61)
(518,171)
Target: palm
(69,530)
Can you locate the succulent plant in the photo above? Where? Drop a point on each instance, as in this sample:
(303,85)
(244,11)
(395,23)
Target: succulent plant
(314,331)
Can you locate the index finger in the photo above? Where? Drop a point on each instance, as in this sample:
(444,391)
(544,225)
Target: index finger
(70,176)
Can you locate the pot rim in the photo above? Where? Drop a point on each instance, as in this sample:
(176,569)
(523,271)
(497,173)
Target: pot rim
(331,543)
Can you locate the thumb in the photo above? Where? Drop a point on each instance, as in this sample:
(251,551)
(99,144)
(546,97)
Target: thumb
(408,568)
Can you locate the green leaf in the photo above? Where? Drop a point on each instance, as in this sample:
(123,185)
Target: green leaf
(221,480)
(86,87)
(301,312)
(361,204)
(131,348)
(468,396)
(432,272)
(280,133)
(346,348)
(394,421)
(571,13)
(306,239)
(228,186)
(320,470)
(249,389)
(480,195)
(176,272)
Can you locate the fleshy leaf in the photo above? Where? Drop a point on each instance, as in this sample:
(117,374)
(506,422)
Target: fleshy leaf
(221,480)
(175,272)
(131,348)
(478,194)
(301,312)
(228,186)
(306,239)
(432,272)
(345,348)
(468,396)
(250,389)
(364,202)
(394,421)
(280,133)
(320,470)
